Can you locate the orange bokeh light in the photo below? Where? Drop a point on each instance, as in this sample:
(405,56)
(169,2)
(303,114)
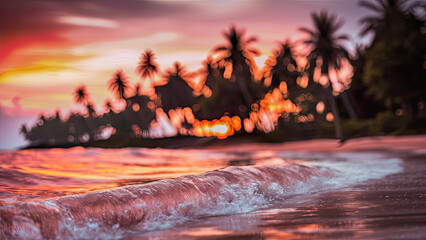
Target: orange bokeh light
(220,128)
(272,107)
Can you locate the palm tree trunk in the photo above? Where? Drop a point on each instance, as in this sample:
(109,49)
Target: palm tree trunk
(348,106)
(337,123)
(242,83)
(244,89)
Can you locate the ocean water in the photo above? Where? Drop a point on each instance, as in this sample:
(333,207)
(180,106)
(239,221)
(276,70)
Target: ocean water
(263,193)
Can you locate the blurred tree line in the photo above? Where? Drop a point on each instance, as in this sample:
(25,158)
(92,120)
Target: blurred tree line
(383,81)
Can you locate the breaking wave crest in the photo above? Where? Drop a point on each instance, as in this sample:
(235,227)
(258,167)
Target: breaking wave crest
(156,205)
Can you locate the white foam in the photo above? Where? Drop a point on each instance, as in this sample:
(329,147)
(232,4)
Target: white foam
(233,199)
(349,168)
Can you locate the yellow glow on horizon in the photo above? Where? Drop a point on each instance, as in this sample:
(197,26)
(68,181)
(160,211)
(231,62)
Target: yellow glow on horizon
(25,75)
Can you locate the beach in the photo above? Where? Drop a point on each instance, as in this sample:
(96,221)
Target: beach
(367,188)
(393,207)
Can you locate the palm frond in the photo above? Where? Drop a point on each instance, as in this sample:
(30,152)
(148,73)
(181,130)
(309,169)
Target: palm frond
(220,48)
(254,51)
(337,24)
(251,40)
(416,4)
(81,95)
(370,6)
(343,37)
(147,66)
(306,30)
(367,29)
(119,83)
(308,42)
(369,20)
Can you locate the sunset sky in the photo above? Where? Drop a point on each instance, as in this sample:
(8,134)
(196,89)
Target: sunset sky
(49,47)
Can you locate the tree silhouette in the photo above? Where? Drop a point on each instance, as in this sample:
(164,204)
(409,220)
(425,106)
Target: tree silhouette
(91,110)
(119,84)
(283,66)
(394,67)
(385,13)
(210,71)
(224,96)
(80,95)
(176,93)
(138,112)
(23,130)
(367,105)
(147,67)
(391,70)
(327,51)
(238,53)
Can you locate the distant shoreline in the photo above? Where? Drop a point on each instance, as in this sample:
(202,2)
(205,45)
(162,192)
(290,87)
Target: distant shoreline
(241,141)
(352,130)
(369,143)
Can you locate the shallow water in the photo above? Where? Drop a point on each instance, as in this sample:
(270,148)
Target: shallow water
(212,193)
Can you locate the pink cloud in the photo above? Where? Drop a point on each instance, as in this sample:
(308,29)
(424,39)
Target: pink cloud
(16,110)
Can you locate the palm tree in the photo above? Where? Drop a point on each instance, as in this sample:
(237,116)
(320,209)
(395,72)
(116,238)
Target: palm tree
(283,66)
(91,110)
(326,48)
(147,67)
(386,12)
(238,52)
(394,69)
(210,72)
(176,93)
(119,84)
(24,131)
(80,95)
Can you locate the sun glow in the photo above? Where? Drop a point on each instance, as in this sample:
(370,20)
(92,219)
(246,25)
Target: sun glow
(220,128)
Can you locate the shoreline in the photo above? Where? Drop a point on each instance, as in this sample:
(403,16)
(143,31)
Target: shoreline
(370,143)
(241,142)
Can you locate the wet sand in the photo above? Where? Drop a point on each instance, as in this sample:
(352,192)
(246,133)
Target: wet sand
(393,207)
(379,143)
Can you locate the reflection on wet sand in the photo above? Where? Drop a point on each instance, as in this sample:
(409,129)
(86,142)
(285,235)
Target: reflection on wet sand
(41,174)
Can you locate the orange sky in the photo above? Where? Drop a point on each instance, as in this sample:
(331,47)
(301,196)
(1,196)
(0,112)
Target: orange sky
(49,47)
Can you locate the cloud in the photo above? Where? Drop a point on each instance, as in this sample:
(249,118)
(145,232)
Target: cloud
(87,21)
(17,104)
(42,15)
(15,109)
(26,23)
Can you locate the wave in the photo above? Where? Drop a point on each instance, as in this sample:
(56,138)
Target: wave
(156,205)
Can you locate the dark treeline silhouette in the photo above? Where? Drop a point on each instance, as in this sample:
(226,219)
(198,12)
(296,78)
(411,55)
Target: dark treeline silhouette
(394,68)
(388,82)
